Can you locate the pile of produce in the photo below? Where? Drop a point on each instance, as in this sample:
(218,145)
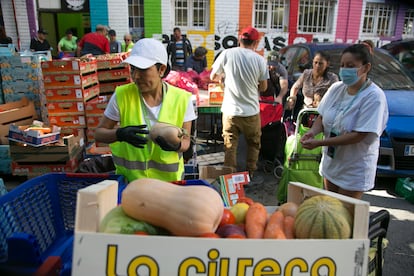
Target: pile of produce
(155,207)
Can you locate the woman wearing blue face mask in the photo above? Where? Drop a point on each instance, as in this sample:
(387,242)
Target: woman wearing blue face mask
(353,115)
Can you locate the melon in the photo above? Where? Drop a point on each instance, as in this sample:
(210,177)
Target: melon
(323,217)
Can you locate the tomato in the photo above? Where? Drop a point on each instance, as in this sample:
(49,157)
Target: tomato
(141,233)
(245,199)
(210,235)
(227,218)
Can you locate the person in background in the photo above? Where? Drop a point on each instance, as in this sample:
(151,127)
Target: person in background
(279,74)
(136,107)
(179,49)
(353,115)
(68,43)
(245,75)
(40,43)
(95,43)
(4,39)
(127,44)
(370,44)
(318,79)
(197,61)
(114,44)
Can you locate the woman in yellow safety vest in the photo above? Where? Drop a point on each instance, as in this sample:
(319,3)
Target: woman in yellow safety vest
(136,107)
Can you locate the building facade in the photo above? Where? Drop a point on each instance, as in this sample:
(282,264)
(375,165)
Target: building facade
(215,24)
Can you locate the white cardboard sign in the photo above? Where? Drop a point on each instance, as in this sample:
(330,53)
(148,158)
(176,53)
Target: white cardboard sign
(111,254)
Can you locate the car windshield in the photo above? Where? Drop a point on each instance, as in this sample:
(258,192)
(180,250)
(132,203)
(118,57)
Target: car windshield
(386,72)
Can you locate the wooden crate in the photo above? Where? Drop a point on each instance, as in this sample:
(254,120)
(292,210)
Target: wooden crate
(93,251)
(64,150)
(19,113)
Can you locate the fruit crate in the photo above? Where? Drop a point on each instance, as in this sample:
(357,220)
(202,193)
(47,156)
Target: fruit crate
(37,221)
(101,253)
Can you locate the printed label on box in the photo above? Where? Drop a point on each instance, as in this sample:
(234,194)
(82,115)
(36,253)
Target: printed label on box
(231,187)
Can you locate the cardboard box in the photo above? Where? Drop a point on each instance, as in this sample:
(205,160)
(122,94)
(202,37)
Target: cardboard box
(109,87)
(4,151)
(231,186)
(100,254)
(5,166)
(98,149)
(92,121)
(33,138)
(21,73)
(62,151)
(36,169)
(211,173)
(68,120)
(19,61)
(65,108)
(69,66)
(114,74)
(17,96)
(19,113)
(225,180)
(70,80)
(22,86)
(97,105)
(77,131)
(215,93)
(71,94)
(111,61)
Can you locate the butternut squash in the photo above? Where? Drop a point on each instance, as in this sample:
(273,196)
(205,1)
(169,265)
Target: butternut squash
(171,133)
(182,210)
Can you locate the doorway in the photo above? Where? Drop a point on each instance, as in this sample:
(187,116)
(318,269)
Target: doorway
(57,23)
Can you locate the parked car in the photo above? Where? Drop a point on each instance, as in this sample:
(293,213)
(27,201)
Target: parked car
(397,142)
(403,50)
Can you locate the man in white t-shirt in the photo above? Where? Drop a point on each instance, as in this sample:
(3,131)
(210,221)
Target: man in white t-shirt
(245,74)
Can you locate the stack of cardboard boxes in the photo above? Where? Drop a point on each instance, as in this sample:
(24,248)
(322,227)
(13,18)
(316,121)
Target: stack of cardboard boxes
(69,84)
(111,73)
(22,77)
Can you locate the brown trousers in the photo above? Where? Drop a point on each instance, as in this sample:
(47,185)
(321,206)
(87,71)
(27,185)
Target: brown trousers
(233,126)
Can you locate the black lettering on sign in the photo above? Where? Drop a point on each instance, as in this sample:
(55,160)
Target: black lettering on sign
(229,42)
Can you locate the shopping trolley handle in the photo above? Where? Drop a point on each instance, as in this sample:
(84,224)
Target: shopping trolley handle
(310,157)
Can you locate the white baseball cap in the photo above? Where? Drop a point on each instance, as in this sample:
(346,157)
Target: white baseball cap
(147,52)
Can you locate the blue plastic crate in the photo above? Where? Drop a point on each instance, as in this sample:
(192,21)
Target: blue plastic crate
(37,220)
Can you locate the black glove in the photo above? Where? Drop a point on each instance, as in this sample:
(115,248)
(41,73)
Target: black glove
(165,145)
(130,134)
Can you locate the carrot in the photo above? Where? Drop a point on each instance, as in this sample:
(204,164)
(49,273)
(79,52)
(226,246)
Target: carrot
(289,227)
(274,227)
(42,129)
(255,223)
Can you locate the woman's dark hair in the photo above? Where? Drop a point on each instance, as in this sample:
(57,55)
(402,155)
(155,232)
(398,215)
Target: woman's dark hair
(326,57)
(200,51)
(360,52)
